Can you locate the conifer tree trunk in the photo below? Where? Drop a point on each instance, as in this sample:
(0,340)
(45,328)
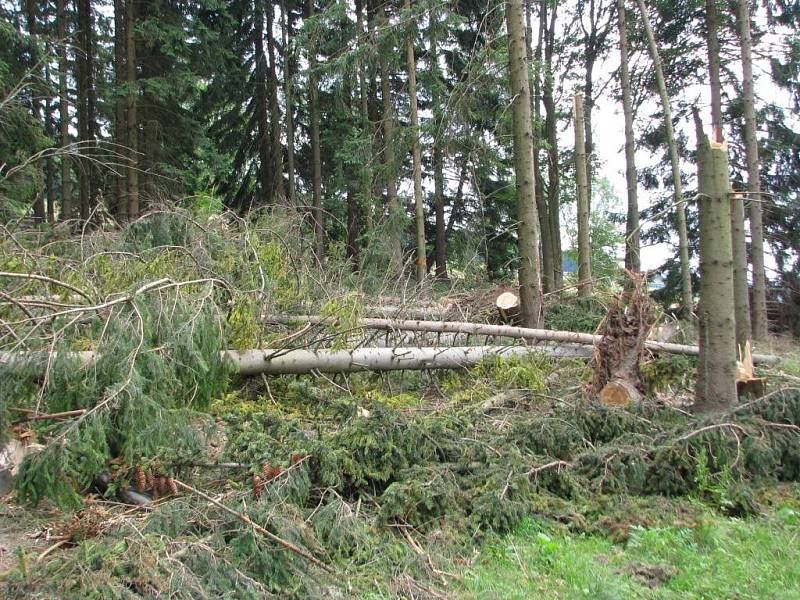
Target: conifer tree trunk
(366,125)
(262,109)
(741,299)
(419,208)
(712,42)
(276,151)
(396,248)
(63,98)
(632,243)
(760,328)
(50,167)
(38,201)
(131,117)
(82,9)
(288,84)
(440,243)
(680,210)
(716,371)
(582,195)
(316,159)
(534,83)
(119,130)
(738,248)
(528,234)
(551,132)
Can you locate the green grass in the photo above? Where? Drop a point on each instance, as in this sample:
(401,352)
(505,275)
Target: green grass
(718,558)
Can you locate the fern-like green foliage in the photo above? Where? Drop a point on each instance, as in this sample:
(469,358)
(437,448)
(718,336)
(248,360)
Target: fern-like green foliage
(157,364)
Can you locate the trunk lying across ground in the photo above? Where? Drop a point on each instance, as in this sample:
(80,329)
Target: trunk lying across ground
(508,331)
(292,362)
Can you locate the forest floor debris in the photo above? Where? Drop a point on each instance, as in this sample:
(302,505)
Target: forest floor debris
(394,481)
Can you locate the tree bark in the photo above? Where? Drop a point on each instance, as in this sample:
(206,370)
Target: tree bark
(262,110)
(367,205)
(760,326)
(395,244)
(119,130)
(632,234)
(551,132)
(288,84)
(440,244)
(316,159)
(132,120)
(741,298)
(36,106)
(276,151)
(680,211)
(534,83)
(582,195)
(63,96)
(297,362)
(716,371)
(419,208)
(483,329)
(528,233)
(712,42)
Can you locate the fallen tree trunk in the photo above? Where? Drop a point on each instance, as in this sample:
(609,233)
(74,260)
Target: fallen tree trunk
(256,362)
(508,331)
(289,362)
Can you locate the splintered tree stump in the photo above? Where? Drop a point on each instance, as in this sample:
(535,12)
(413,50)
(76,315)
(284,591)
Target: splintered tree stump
(617,380)
(507,305)
(620,393)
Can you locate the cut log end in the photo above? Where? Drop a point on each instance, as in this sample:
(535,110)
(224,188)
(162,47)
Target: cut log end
(507,305)
(619,393)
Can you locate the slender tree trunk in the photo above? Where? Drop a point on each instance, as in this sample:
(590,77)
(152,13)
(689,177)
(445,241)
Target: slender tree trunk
(132,119)
(551,131)
(712,41)
(50,167)
(582,194)
(396,248)
(716,372)
(760,328)
(274,108)
(262,109)
(90,92)
(440,245)
(534,84)
(82,101)
(63,95)
(365,171)
(36,106)
(419,208)
(316,159)
(741,300)
(120,133)
(674,159)
(288,84)
(632,243)
(529,272)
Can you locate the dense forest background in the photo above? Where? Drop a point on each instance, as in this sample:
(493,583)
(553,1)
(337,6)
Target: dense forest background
(370,117)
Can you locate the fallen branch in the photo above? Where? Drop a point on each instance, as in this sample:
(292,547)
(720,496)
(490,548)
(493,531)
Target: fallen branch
(507,331)
(248,521)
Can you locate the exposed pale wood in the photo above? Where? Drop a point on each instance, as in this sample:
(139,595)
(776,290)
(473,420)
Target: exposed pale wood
(619,393)
(507,305)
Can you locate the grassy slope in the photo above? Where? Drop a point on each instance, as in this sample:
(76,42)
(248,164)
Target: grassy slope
(716,557)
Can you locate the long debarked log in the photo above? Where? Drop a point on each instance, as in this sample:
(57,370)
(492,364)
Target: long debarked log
(292,362)
(507,331)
